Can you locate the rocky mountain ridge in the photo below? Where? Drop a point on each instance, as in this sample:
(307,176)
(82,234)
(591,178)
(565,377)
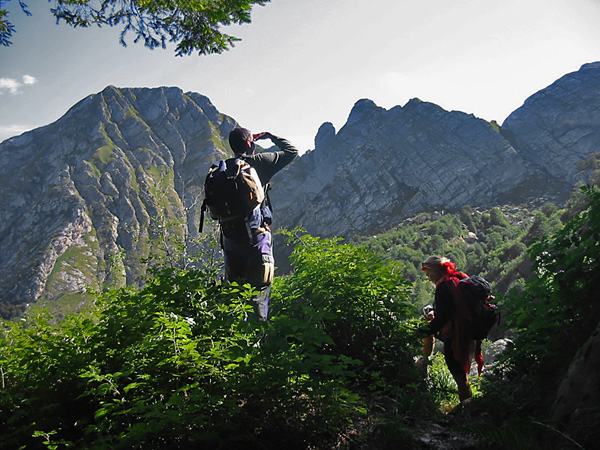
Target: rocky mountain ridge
(386,164)
(558,128)
(84,199)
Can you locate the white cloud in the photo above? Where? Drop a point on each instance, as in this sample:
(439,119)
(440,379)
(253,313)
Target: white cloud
(12,85)
(28,79)
(9,84)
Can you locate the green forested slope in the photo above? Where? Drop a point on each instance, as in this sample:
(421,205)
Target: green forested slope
(492,243)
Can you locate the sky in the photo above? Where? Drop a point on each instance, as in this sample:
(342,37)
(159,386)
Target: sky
(301,63)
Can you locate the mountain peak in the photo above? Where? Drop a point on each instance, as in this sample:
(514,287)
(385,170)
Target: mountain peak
(592,65)
(325,136)
(362,110)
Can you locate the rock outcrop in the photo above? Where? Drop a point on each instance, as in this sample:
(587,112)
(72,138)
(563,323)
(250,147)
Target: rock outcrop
(386,165)
(577,402)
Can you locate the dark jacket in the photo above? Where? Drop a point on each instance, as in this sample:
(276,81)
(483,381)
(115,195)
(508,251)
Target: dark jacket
(453,322)
(268,164)
(444,305)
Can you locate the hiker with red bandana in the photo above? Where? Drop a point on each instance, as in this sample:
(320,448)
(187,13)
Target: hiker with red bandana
(452,321)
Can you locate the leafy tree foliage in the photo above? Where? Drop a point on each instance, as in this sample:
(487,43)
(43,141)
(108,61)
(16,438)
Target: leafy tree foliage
(194,25)
(6,27)
(557,311)
(491,243)
(177,364)
(552,317)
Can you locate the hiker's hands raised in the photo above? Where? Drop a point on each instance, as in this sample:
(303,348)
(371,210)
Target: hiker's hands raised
(263,135)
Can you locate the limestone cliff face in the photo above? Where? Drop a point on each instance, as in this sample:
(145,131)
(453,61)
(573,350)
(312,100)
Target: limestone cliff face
(81,198)
(558,128)
(384,165)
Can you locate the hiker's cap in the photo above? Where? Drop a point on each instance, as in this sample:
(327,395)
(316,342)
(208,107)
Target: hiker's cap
(241,141)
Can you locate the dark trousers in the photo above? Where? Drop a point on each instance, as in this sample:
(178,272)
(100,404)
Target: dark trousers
(251,261)
(454,366)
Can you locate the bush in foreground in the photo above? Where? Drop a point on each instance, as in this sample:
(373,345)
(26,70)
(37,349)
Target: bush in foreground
(177,364)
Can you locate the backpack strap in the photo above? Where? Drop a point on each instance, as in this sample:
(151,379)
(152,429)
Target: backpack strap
(204,205)
(202,211)
(267,200)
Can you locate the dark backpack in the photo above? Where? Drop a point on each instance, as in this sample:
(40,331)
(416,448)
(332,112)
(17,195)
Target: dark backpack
(477,293)
(233,195)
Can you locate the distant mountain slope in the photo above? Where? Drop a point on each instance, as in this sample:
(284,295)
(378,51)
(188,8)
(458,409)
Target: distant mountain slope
(385,165)
(558,128)
(80,198)
(83,198)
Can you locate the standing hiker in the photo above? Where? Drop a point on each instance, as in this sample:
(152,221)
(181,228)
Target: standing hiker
(246,236)
(451,321)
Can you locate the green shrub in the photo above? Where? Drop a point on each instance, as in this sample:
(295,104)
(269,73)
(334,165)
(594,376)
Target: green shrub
(360,300)
(552,317)
(556,312)
(176,364)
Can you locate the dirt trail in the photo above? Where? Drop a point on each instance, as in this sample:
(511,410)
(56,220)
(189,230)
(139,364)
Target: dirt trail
(444,434)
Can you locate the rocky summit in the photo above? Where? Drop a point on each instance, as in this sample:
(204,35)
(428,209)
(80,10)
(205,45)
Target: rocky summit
(86,199)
